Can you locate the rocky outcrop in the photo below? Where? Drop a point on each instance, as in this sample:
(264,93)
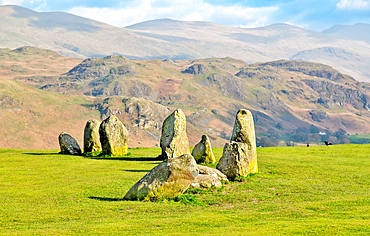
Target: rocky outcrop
(196,69)
(202,151)
(145,114)
(331,94)
(169,179)
(68,145)
(113,137)
(174,141)
(239,157)
(92,137)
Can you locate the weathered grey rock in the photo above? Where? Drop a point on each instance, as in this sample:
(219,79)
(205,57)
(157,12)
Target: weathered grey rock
(167,180)
(208,177)
(68,145)
(234,161)
(174,140)
(205,170)
(92,137)
(113,137)
(202,151)
(244,132)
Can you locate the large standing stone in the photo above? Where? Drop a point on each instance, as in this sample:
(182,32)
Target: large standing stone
(239,157)
(202,151)
(68,145)
(244,132)
(113,137)
(169,179)
(92,137)
(174,140)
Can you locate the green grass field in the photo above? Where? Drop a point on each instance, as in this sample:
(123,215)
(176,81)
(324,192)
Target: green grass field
(320,190)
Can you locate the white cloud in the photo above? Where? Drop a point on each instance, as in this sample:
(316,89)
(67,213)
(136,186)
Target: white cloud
(11,2)
(191,10)
(353,4)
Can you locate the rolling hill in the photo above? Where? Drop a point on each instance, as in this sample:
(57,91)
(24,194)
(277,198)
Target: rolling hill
(285,96)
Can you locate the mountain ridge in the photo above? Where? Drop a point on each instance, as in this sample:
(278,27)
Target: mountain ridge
(183,40)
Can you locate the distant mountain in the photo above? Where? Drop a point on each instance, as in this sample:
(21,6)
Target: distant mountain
(357,32)
(169,39)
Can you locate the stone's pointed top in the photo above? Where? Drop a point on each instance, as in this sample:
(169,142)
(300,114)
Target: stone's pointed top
(244,128)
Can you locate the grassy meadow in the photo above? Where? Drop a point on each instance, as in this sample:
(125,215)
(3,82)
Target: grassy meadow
(317,190)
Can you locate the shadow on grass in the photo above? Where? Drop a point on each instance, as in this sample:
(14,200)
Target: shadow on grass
(43,153)
(107,199)
(137,171)
(126,158)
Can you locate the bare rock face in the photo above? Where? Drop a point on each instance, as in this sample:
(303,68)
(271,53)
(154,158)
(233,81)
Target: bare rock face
(169,179)
(92,137)
(174,140)
(113,137)
(239,157)
(208,177)
(68,145)
(202,151)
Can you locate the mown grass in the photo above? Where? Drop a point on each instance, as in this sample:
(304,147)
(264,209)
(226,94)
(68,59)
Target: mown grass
(321,190)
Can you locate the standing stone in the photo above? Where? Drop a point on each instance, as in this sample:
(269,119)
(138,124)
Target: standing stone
(174,140)
(113,137)
(239,157)
(169,179)
(68,145)
(92,137)
(202,151)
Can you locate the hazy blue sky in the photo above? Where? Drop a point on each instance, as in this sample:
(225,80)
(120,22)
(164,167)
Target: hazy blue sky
(310,14)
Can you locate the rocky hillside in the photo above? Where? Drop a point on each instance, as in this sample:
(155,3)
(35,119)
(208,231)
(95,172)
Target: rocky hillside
(284,96)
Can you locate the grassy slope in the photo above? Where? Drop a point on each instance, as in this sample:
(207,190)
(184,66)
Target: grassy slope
(307,191)
(34,118)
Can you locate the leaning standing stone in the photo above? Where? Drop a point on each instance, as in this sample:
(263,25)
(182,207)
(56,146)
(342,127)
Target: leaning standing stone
(113,137)
(169,179)
(174,140)
(202,151)
(68,145)
(92,137)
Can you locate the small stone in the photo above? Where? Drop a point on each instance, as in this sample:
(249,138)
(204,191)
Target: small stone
(202,151)
(68,145)
(209,178)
